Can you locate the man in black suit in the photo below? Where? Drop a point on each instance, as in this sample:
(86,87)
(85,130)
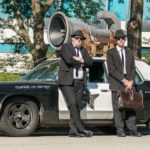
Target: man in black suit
(72,80)
(121,68)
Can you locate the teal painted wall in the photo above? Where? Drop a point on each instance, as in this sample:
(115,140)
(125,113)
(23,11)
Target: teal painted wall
(119,7)
(146,10)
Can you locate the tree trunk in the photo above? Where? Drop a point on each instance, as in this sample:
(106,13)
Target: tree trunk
(39,55)
(40,48)
(134,26)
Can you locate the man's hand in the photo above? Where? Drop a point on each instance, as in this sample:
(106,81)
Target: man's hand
(130,85)
(125,82)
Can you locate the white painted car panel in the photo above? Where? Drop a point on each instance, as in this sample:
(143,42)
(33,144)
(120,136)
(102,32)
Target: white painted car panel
(102,103)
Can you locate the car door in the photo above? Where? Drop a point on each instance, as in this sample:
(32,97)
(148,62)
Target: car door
(100,101)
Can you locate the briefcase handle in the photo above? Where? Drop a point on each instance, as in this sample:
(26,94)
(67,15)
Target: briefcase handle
(130,91)
(131,94)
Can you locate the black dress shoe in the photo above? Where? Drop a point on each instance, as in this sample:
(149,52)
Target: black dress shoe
(137,134)
(121,134)
(76,134)
(87,133)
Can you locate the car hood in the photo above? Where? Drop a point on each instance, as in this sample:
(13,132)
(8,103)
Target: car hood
(26,82)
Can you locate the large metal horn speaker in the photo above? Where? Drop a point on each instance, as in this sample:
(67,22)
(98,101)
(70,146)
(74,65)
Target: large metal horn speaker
(61,27)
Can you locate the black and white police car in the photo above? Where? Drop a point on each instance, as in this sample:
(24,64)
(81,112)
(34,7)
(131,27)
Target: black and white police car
(35,100)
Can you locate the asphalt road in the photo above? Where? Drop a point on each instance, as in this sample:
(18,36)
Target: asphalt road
(57,139)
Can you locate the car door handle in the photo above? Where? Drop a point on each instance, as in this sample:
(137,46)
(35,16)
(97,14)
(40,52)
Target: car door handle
(105,90)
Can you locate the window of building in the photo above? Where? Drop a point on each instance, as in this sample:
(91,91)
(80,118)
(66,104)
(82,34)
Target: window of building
(119,7)
(146,10)
(9,48)
(145,51)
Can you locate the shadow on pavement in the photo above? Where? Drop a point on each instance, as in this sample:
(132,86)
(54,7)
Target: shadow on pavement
(63,131)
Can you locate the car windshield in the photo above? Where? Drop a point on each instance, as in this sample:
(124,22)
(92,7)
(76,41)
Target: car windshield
(46,71)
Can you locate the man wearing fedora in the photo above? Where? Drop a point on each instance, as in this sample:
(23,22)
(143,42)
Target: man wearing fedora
(72,81)
(121,69)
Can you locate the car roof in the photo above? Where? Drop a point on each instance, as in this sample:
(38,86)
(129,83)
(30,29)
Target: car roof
(143,68)
(56,59)
(48,61)
(99,58)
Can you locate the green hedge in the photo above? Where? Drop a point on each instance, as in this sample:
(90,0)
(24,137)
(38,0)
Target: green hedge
(9,77)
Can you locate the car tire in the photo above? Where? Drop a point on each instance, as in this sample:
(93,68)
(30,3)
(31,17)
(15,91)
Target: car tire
(148,124)
(20,117)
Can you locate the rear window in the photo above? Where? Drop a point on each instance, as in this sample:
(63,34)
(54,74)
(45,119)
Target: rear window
(97,73)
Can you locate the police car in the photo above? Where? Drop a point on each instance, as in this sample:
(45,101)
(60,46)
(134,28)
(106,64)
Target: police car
(36,100)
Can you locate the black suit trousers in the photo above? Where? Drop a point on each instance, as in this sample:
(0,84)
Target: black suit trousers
(74,96)
(130,116)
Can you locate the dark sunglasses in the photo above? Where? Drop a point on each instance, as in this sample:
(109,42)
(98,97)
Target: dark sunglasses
(118,38)
(77,38)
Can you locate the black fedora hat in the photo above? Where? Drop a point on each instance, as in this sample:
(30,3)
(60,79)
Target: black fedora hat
(78,33)
(120,33)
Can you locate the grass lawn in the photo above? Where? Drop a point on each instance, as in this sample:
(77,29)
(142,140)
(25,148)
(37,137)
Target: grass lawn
(9,77)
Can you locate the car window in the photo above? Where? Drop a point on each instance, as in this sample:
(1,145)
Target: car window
(47,72)
(97,73)
(137,78)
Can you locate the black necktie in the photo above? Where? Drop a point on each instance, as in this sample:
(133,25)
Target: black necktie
(77,54)
(122,57)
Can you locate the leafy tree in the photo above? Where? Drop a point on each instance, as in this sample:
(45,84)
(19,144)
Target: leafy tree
(134,26)
(26,18)
(85,10)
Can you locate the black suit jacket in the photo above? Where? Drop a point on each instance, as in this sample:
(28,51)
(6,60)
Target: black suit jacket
(67,63)
(115,68)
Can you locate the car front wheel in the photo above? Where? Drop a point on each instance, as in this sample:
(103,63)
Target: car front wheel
(20,117)
(148,124)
